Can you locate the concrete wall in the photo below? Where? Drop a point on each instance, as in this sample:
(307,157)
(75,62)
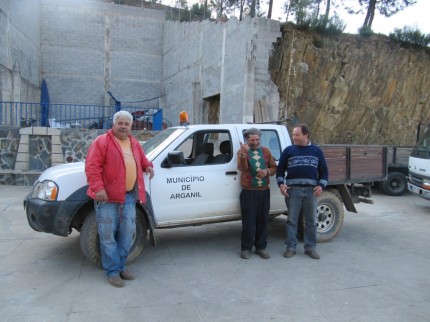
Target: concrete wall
(229,59)
(89,48)
(19,50)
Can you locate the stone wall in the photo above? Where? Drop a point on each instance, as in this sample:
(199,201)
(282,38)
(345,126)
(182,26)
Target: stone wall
(26,152)
(351,89)
(9,141)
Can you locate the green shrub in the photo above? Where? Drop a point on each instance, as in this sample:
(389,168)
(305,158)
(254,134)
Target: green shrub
(318,42)
(410,36)
(332,26)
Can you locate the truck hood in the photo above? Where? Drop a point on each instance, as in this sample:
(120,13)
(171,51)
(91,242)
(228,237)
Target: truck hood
(68,177)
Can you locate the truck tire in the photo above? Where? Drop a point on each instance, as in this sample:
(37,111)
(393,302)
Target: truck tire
(395,185)
(90,244)
(330,214)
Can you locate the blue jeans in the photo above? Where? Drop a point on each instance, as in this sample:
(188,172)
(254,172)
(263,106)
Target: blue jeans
(116,224)
(301,199)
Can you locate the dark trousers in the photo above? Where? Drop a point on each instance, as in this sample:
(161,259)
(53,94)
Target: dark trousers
(255,206)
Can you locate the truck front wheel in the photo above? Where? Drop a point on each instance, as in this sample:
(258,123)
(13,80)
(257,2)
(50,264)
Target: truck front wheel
(90,243)
(330,216)
(395,185)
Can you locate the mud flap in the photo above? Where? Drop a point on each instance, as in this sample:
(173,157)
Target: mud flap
(151,219)
(346,198)
(152,240)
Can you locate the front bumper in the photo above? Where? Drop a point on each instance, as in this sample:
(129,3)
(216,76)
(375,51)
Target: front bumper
(423,193)
(51,216)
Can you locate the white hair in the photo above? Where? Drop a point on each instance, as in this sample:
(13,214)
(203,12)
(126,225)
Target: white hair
(124,114)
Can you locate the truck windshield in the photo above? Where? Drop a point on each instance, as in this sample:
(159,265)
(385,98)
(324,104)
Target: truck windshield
(156,140)
(424,141)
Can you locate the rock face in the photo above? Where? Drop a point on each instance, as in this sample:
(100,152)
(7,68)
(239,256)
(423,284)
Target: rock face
(351,89)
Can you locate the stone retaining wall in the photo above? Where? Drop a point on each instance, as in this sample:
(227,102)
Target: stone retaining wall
(26,152)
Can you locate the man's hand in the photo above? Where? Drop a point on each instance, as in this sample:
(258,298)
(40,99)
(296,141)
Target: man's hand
(263,173)
(150,171)
(244,148)
(101,196)
(284,190)
(317,191)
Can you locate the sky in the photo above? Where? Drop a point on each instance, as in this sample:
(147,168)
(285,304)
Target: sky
(417,15)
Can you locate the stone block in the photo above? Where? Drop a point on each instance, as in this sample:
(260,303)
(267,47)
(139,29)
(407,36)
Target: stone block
(57,158)
(19,165)
(55,139)
(24,139)
(23,148)
(38,130)
(26,131)
(22,157)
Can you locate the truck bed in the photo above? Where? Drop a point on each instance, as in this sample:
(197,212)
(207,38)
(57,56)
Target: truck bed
(355,163)
(398,156)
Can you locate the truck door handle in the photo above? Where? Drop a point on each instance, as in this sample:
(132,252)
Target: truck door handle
(230,173)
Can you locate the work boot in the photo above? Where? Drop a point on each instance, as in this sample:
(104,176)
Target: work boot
(263,253)
(312,253)
(245,254)
(289,253)
(126,275)
(115,281)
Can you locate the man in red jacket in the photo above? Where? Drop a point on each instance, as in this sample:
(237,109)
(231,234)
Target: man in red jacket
(114,168)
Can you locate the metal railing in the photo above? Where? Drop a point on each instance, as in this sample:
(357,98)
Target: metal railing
(25,114)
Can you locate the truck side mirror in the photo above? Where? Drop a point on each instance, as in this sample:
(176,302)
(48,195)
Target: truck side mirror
(175,159)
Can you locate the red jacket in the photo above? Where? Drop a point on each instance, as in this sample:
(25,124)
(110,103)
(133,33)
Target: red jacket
(105,168)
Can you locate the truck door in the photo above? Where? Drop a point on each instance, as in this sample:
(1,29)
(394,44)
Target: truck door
(204,188)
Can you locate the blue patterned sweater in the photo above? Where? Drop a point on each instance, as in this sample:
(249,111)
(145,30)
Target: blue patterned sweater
(303,165)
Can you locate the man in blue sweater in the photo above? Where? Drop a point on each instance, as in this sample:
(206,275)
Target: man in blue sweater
(301,176)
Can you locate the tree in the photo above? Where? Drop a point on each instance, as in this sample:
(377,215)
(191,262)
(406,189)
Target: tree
(269,12)
(246,8)
(303,10)
(386,8)
(201,11)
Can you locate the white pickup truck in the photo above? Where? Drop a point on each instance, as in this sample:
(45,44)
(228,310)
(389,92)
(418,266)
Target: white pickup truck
(197,182)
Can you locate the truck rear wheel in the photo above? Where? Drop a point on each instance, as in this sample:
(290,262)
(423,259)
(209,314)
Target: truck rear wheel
(90,243)
(395,185)
(330,214)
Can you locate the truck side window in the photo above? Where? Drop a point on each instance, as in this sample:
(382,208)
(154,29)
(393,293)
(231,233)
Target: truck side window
(270,139)
(207,147)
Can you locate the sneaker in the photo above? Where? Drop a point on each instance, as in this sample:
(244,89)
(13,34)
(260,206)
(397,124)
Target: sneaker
(312,253)
(116,281)
(289,253)
(263,253)
(126,275)
(245,254)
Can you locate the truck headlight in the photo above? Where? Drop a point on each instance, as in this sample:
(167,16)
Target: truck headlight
(46,190)
(426,184)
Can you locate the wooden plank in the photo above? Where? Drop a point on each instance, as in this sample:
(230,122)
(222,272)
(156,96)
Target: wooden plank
(336,158)
(367,161)
(355,163)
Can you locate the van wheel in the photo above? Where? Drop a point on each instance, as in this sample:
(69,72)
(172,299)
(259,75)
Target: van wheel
(330,214)
(90,243)
(395,185)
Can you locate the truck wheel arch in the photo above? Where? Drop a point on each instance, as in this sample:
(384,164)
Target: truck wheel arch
(330,215)
(90,244)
